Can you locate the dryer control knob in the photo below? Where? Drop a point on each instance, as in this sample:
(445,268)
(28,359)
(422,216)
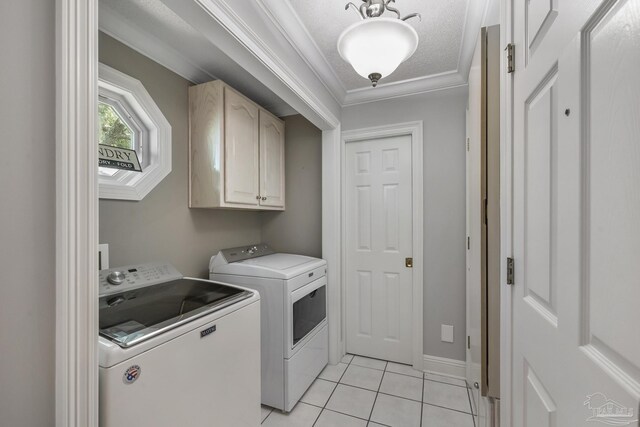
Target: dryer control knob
(116,278)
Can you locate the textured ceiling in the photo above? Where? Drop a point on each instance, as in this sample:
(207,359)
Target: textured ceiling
(440,31)
(447,33)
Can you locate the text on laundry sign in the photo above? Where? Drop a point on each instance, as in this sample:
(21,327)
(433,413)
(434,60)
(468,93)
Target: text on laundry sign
(118,158)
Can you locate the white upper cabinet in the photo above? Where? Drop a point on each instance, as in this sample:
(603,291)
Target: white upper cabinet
(241,149)
(271,161)
(236,151)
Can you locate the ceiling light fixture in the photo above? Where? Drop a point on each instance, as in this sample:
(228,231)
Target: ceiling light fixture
(376,46)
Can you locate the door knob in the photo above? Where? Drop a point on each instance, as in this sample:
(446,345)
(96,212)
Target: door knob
(408,262)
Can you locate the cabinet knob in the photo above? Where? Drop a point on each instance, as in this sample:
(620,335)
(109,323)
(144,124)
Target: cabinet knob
(257,197)
(264,198)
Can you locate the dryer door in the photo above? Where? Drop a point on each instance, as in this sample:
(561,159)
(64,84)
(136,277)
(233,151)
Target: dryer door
(307,312)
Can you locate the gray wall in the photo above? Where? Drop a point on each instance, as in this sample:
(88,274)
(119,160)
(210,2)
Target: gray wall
(299,228)
(27,213)
(161,227)
(443,113)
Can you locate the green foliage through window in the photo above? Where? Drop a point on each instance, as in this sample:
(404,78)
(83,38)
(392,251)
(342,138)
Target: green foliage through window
(113,130)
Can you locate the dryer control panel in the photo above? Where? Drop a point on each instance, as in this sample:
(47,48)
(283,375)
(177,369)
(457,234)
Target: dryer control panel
(119,279)
(246,252)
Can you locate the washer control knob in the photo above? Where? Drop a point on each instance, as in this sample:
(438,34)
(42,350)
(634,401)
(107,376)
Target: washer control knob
(116,277)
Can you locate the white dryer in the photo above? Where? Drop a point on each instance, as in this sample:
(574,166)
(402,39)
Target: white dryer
(176,351)
(294,333)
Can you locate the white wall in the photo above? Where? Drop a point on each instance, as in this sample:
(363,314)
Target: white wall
(27,213)
(443,113)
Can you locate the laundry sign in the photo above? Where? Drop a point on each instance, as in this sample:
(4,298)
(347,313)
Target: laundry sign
(118,158)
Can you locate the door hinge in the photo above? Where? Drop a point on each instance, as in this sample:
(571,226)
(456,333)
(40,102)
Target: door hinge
(467,144)
(510,271)
(468,242)
(469,342)
(511,57)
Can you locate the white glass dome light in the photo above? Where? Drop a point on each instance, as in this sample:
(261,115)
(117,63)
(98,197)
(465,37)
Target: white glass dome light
(375,47)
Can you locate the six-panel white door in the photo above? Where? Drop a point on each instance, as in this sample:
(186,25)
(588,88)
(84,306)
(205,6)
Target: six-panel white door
(272,187)
(576,195)
(241,149)
(378,240)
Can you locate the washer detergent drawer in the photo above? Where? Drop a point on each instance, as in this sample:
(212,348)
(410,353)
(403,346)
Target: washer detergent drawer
(205,377)
(304,366)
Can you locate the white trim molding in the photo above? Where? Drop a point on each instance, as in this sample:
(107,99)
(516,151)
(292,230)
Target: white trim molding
(234,24)
(76,364)
(131,95)
(126,32)
(415,130)
(285,20)
(506,217)
(448,80)
(281,18)
(331,239)
(445,366)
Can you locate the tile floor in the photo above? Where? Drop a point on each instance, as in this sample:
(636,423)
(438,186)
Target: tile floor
(361,392)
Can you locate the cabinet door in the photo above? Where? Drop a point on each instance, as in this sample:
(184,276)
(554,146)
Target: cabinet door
(271,161)
(241,150)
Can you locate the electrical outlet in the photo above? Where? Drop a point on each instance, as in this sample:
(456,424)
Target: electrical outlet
(446,333)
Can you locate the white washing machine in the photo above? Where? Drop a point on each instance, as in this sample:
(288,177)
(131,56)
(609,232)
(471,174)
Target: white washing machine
(293,290)
(177,351)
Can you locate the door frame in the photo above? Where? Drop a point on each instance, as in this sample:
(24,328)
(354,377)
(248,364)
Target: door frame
(76,278)
(506,214)
(415,130)
(76,281)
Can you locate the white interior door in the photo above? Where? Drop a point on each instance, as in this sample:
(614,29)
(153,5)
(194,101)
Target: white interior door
(576,195)
(379,239)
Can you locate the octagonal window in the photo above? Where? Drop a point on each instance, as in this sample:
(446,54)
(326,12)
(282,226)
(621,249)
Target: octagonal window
(129,118)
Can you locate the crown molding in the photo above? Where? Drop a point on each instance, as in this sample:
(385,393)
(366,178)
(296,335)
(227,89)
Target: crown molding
(415,86)
(235,25)
(283,19)
(286,20)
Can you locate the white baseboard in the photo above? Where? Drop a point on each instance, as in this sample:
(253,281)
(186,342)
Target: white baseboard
(444,366)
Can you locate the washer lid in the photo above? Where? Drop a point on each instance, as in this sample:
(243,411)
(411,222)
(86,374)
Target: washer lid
(137,315)
(275,266)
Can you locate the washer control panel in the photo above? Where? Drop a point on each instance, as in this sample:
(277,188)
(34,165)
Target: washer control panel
(120,279)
